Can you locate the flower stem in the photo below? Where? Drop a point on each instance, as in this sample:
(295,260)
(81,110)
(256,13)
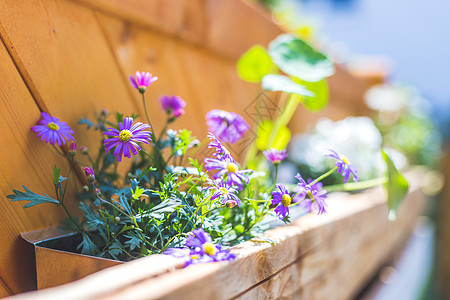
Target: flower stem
(276,174)
(354,186)
(323,176)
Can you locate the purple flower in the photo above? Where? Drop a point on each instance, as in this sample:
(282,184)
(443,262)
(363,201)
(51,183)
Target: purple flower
(173,104)
(275,156)
(221,151)
(283,198)
(225,193)
(89,173)
(72,148)
(228,126)
(53,130)
(200,249)
(126,138)
(344,166)
(142,81)
(311,197)
(226,166)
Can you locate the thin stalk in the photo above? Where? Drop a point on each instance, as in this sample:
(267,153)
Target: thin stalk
(323,176)
(354,186)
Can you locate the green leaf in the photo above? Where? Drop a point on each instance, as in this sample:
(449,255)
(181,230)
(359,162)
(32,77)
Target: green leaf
(320,91)
(284,84)
(281,139)
(87,246)
(134,241)
(32,197)
(56,174)
(254,64)
(295,57)
(396,186)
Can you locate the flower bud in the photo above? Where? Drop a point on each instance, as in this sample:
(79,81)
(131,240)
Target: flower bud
(84,150)
(85,188)
(98,192)
(117,219)
(89,173)
(72,148)
(230,203)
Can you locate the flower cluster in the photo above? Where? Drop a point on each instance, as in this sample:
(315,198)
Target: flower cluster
(166,203)
(200,249)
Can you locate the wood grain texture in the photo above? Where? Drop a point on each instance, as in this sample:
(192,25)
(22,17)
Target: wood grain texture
(32,166)
(61,51)
(315,257)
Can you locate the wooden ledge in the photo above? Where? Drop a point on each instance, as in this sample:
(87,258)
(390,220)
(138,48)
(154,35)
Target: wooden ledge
(314,257)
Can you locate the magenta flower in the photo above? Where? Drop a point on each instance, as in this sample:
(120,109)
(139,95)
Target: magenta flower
(224,192)
(52,130)
(344,166)
(173,105)
(228,126)
(283,198)
(89,173)
(126,139)
(311,197)
(142,81)
(275,156)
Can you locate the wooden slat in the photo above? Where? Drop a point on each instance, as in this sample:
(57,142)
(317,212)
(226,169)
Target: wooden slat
(212,24)
(32,166)
(315,257)
(60,50)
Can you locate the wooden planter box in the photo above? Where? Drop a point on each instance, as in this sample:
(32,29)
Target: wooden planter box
(71,58)
(313,258)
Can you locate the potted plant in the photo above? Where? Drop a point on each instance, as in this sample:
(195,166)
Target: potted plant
(173,203)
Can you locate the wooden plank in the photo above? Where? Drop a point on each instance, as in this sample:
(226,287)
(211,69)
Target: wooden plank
(32,166)
(61,52)
(311,254)
(207,23)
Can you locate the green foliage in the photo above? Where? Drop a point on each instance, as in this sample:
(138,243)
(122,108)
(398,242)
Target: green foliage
(297,58)
(319,89)
(254,64)
(397,186)
(284,84)
(32,197)
(280,141)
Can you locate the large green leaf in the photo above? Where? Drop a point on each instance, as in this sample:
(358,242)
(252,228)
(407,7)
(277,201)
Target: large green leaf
(396,186)
(297,58)
(281,139)
(282,83)
(254,64)
(320,91)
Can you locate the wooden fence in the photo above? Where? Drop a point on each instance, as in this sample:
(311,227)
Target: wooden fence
(73,57)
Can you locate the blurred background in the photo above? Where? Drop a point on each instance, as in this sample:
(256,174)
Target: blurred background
(403,43)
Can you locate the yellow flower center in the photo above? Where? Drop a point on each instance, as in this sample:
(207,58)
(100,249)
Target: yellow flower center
(286,200)
(232,168)
(53,126)
(125,135)
(345,160)
(223,190)
(209,248)
(194,256)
